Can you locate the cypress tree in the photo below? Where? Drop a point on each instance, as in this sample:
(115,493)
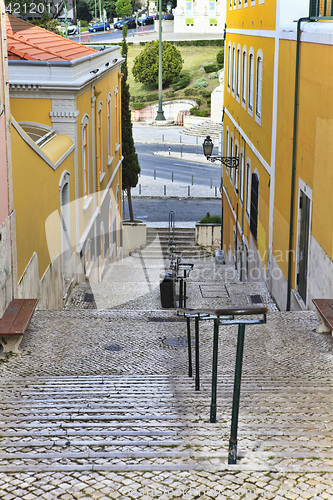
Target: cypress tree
(130,166)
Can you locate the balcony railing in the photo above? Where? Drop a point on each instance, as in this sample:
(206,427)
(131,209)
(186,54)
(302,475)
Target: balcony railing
(321,8)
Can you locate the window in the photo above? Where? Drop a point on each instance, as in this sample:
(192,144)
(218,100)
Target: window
(259,87)
(254,205)
(100,138)
(117,121)
(229,66)
(241,176)
(238,73)
(236,169)
(245,3)
(233,69)
(239,4)
(85,155)
(248,187)
(230,4)
(227,148)
(231,154)
(244,77)
(251,75)
(109,124)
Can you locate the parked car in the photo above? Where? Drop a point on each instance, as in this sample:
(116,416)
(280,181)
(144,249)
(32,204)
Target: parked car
(99,27)
(117,25)
(72,30)
(146,20)
(130,23)
(168,17)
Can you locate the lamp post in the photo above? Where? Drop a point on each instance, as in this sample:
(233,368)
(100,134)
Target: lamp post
(160,112)
(228,161)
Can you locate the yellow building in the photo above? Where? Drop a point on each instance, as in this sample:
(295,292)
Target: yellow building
(277,206)
(66,149)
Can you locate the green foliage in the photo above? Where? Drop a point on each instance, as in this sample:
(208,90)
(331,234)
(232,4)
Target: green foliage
(198,101)
(205,93)
(108,5)
(189,92)
(201,83)
(130,164)
(199,43)
(211,219)
(183,82)
(210,68)
(47,23)
(220,57)
(170,94)
(198,112)
(138,105)
(83,11)
(213,75)
(123,8)
(84,24)
(152,97)
(145,67)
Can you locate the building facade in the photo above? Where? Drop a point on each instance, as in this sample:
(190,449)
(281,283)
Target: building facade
(7,215)
(278,120)
(66,154)
(205,16)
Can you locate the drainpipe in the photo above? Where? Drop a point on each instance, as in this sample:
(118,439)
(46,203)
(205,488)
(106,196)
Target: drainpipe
(293,172)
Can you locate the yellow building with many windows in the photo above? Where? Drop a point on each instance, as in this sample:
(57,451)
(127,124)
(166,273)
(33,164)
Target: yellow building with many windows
(66,152)
(278,120)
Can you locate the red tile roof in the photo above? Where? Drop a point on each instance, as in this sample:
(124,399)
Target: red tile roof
(32,43)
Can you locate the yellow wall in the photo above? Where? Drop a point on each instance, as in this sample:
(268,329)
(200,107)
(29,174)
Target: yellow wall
(35,197)
(256,17)
(26,110)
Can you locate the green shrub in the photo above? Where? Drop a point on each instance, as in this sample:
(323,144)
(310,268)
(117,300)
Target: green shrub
(84,24)
(199,101)
(145,66)
(212,75)
(200,43)
(142,43)
(211,219)
(209,100)
(152,97)
(138,105)
(205,93)
(189,92)
(201,83)
(198,112)
(220,57)
(182,82)
(210,68)
(171,93)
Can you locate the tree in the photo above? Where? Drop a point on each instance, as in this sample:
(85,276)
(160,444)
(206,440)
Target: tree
(130,165)
(123,8)
(83,11)
(47,23)
(145,67)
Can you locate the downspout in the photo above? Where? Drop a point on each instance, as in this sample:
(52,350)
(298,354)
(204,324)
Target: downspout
(293,171)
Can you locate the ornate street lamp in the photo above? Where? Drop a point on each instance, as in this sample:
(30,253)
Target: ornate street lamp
(228,161)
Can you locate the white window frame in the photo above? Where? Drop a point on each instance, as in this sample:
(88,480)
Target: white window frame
(85,157)
(109,126)
(259,74)
(229,67)
(248,186)
(246,4)
(100,139)
(117,120)
(233,76)
(231,154)
(250,91)
(238,76)
(227,147)
(253,2)
(244,76)
(239,4)
(230,5)
(241,175)
(236,169)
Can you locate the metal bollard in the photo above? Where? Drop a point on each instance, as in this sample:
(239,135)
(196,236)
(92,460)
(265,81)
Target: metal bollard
(155,175)
(139,188)
(189,191)
(169,150)
(164,189)
(172,177)
(181,151)
(192,180)
(211,183)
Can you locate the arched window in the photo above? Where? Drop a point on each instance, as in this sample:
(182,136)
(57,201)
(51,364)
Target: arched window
(238,77)
(109,125)
(254,205)
(100,138)
(244,57)
(117,120)
(236,169)
(259,86)
(248,186)
(231,154)
(233,69)
(85,154)
(229,66)
(251,77)
(241,176)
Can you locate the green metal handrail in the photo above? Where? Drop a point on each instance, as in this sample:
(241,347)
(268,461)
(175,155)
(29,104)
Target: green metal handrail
(226,316)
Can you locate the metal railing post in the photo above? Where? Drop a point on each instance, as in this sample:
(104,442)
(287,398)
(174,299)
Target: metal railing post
(232,456)
(189,346)
(197,374)
(214,371)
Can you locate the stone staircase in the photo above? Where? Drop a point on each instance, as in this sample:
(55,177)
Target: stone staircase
(158,244)
(207,127)
(144,423)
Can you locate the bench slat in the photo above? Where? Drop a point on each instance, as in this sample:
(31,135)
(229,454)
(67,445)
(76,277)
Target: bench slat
(17,316)
(10,315)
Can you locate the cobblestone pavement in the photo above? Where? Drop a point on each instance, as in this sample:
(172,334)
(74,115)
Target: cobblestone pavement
(99,404)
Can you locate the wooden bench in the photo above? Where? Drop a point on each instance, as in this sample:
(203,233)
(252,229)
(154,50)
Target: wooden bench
(14,323)
(325,309)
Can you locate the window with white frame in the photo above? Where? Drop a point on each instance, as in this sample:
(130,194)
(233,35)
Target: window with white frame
(227,147)
(100,138)
(117,121)
(85,154)
(245,3)
(109,125)
(244,57)
(236,169)
(239,4)
(241,176)
(229,66)
(238,77)
(248,186)
(259,85)
(231,154)
(233,69)
(235,3)
(251,81)
(230,4)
